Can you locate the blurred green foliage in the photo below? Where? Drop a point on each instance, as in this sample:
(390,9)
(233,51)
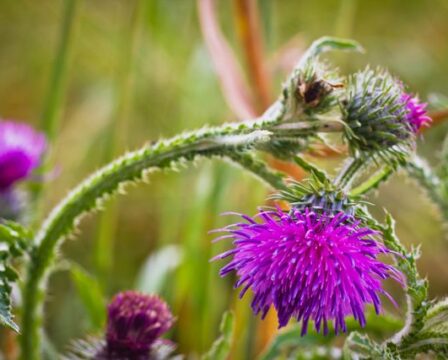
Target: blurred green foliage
(174,87)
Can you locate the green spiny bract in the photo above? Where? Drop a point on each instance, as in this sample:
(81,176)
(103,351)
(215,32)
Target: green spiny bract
(375,113)
(321,197)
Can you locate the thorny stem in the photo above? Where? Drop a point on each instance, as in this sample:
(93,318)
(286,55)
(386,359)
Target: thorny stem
(373,182)
(349,172)
(419,170)
(259,168)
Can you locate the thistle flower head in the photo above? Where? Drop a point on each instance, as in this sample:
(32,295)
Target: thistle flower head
(416,114)
(312,266)
(21,148)
(375,112)
(135,321)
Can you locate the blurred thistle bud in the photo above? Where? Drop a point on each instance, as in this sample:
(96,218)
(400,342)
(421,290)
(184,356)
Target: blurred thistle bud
(316,262)
(379,114)
(21,149)
(315,88)
(135,323)
(13,205)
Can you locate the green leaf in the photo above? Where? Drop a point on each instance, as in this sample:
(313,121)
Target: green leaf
(327,43)
(360,346)
(437,317)
(16,236)
(6,317)
(221,347)
(91,295)
(14,240)
(417,288)
(434,333)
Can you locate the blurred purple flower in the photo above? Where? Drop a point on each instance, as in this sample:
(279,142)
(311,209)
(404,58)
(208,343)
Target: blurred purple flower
(310,266)
(416,112)
(135,323)
(21,149)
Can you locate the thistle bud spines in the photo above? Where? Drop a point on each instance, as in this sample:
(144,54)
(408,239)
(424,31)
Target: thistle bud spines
(375,113)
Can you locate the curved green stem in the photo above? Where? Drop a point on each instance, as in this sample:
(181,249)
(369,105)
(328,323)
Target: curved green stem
(90,193)
(373,182)
(259,168)
(349,172)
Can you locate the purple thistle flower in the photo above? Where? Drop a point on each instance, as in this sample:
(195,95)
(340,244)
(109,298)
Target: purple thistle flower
(135,323)
(21,148)
(416,112)
(310,266)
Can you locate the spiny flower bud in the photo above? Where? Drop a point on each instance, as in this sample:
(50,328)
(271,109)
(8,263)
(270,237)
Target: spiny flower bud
(21,148)
(135,321)
(375,112)
(311,265)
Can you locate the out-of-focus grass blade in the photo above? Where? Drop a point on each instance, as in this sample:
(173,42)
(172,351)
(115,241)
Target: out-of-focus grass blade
(116,136)
(157,268)
(193,274)
(91,295)
(56,90)
(221,347)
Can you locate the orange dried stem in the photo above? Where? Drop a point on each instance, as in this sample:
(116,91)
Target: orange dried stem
(250,34)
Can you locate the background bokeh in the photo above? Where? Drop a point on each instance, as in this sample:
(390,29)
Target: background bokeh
(140,70)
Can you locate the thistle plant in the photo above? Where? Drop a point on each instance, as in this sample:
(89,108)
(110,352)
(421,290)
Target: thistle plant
(318,257)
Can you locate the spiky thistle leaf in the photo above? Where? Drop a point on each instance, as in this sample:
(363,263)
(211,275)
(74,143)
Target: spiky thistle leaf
(14,240)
